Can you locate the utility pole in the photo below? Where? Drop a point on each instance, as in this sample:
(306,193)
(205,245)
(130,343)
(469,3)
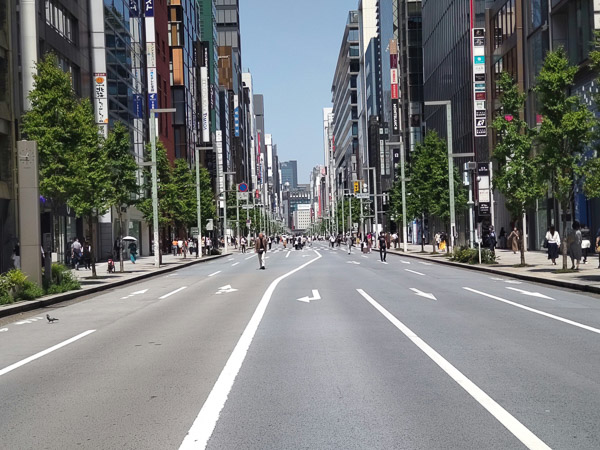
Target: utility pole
(226,247)
(199,194)
(153,113)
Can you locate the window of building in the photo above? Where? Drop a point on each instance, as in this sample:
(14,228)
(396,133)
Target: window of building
(60,19)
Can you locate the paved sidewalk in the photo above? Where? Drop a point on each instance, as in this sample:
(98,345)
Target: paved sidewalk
(143,268)
(540,268)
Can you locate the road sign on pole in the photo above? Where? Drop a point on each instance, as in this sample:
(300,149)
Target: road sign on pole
(242,187)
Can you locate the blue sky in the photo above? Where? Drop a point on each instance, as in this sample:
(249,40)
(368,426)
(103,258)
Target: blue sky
(291,48)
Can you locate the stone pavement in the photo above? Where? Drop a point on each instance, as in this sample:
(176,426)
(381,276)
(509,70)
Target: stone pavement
(143,268)
(540,268)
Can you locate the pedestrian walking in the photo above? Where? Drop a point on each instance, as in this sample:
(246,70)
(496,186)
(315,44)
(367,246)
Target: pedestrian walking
(16,256)
(586,242)
(553,239)
(574,245)
(87,255)
(349,242)
(515,240)
(270,242)
(502,238)
(132,252)
(492,240)
(382,247)
(260,246)
(76,253)
(243,244)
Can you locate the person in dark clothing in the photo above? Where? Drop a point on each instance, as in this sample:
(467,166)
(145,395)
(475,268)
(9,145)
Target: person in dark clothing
(87,256)
(382,247)
(598,246)
(492,240)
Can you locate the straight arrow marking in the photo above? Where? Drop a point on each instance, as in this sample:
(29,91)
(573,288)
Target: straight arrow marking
(423,294)
(532,294)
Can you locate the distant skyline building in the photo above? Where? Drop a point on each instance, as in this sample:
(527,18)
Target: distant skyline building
(289,173)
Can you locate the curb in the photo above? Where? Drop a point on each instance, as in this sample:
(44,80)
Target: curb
(28,305)
(557,283)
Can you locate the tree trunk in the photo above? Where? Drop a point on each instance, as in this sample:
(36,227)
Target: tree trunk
(92,252)
(522,243)
(564,240)
(422,232)
(121,265)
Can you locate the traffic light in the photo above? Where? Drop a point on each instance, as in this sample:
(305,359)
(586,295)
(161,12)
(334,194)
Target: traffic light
(356,187)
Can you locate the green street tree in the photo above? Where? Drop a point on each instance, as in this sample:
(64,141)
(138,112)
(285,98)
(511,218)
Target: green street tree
(591,185)
(565,133)
(208,207)
(123,175)
(342,219)
(518,173)
(92,188)
(185,202)
(166,191)
(49,122)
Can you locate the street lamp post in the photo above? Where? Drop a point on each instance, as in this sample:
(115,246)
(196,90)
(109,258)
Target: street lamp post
(368,169)
(199,195)
(153,113)
(226,247)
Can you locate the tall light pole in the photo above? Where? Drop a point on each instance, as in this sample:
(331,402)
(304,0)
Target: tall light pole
(153,113)
(368,169)
(226,248)
(199,194)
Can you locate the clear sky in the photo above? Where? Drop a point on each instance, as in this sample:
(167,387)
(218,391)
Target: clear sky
(291,48)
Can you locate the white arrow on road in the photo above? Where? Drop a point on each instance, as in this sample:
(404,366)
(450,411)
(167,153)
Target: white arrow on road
(225,289)
(423,294)
(531,294)
(315,296)
(135,293)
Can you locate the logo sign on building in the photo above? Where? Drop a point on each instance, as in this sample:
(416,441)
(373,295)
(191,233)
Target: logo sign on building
(152,84)
(138,106)
(151,54)
(101,102)
(479,81)
(152,101)
(483,189)
(149,8)
(134,9)
(395,91)
(205,111)
(236,116)
(394,76)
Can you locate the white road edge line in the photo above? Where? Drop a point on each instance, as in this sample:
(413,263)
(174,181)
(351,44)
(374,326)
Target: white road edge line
(213,274)
(519,430)
(413,271)
(204,425)
(44,352)
(174,292)
(537,311)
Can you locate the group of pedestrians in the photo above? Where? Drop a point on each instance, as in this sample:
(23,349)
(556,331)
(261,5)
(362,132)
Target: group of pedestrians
(579,244)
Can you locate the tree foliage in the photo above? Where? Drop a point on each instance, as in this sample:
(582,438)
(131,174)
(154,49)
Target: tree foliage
(518,173)
(565,133)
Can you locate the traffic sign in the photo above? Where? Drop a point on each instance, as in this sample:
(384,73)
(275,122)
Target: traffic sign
(247,206)
(194,231)
(243,187)
(363,195)
(209,225)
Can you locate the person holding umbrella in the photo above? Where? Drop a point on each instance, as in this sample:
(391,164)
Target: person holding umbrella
(132,248)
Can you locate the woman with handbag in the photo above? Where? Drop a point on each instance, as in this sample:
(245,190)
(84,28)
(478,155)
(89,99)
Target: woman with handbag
(553,239)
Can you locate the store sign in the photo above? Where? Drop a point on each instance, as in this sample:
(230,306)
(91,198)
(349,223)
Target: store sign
(152,84)
(151,54)
(395,90)
(483,189)
(101,100)
(205,111)
(479,82)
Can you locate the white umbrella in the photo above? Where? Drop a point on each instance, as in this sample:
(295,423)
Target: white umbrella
(129,238)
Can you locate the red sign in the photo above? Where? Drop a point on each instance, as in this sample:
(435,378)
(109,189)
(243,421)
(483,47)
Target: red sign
(394,92)
(479,95)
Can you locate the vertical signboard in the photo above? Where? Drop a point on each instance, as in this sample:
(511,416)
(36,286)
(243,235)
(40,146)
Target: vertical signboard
(101,103)
(219,139)
(394,87)
(205,100)
(483,189)
(479,82)
(236,116)
(151,54)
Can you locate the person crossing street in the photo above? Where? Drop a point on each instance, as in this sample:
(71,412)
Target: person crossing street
(382,247)
(260,246)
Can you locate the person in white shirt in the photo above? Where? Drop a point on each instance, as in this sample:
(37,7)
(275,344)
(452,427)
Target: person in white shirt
(553,239)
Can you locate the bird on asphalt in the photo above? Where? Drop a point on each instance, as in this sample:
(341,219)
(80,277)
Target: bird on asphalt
(51,319)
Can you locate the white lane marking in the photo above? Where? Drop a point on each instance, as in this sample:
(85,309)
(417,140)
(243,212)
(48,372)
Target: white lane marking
(363,256)
(412,271)
(537,311)
(249,257)
(512,281)
(2,330)
(172,274)
(383,262)
(135,293)
(288,254)
(225,289)
(44,352)
(307,299)
(234,264)
(353,262)
(174,292)
(204,425)
(423,294)
(213,274)
(231,259)
(531,294)
(425,263)
(404,262)
(522,433)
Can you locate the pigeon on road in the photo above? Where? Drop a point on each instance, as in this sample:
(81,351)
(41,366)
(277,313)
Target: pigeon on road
(51,319)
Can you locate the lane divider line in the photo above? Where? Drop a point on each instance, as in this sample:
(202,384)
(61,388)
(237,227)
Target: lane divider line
(174,292)
(44,352)
(519,430)
(413,271)
(536,311)
(234,264)
(213,274)
(205,423)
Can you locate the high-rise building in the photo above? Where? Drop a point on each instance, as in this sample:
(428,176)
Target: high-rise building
(289,173)
(345,104)
(328,147)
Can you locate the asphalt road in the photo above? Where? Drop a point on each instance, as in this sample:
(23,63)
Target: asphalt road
(323,350)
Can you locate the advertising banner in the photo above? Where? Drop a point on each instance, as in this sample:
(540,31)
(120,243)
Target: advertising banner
(205,111)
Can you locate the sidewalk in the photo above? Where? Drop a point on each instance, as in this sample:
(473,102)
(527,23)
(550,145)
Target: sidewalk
(540,268)
(143,268)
